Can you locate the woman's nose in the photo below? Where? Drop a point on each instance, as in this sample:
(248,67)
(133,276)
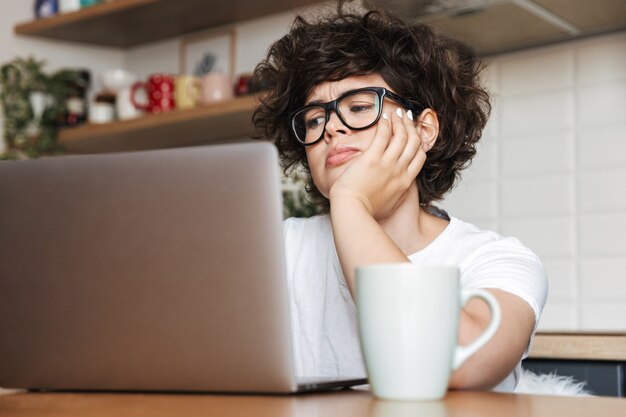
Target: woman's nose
(335,127)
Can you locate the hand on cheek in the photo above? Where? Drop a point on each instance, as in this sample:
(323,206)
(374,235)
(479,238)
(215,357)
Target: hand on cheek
(380,178)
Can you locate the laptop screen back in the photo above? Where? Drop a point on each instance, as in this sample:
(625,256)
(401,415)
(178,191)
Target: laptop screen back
(159,270)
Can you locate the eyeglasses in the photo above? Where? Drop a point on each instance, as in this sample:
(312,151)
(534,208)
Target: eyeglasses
(357,109)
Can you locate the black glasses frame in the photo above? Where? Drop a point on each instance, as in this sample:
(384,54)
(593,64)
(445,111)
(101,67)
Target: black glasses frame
(381,93)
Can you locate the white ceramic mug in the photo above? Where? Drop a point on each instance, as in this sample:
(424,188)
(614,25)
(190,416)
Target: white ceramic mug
(409,323)
(67,6)
(101,113)
(124,105)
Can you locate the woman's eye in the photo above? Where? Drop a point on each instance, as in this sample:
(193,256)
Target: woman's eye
(314,122)
(359,108)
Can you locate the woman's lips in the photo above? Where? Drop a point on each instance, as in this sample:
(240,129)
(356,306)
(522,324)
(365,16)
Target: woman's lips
(340,157)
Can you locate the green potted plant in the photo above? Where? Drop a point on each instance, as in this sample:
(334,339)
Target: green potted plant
(295,197)
(33,103)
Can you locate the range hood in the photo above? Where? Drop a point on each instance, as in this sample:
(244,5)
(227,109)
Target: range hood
(496,26)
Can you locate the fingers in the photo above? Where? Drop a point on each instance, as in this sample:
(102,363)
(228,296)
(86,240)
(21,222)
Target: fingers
(416,164)
(398,140)
(414,141)
(414,156)
(382,136)
(399,135)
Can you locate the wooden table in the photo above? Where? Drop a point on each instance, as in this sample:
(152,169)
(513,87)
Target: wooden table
(340,404)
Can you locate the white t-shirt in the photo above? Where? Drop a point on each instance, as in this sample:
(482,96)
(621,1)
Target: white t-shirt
(324,315)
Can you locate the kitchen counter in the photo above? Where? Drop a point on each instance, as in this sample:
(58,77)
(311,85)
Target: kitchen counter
(597,359)
(588,346)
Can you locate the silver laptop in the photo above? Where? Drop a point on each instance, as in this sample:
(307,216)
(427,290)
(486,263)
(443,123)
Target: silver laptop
(159,270)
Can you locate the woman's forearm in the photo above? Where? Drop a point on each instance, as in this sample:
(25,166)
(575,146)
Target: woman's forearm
(359,239)
(494,361)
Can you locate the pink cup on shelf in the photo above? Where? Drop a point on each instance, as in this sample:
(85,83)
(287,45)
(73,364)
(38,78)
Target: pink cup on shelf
(215,86)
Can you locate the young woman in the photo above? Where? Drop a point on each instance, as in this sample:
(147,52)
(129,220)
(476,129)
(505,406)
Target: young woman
(384,115)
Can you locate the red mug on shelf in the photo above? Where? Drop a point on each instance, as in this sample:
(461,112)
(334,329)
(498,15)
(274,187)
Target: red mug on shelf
(159,90)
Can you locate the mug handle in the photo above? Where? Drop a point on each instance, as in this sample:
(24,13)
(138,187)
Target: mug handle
(133,90)
(462,353)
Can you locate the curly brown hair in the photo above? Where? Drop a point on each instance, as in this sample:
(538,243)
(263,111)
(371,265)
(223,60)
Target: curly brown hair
(430,69)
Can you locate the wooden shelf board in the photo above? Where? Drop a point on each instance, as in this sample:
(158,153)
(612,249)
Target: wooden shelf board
(127,23)
(219,122)
(585,346)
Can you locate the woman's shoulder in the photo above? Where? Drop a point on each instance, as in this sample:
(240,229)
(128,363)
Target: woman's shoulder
(481,240)
(459,239)
(467,245)
(503,262)
(471,231)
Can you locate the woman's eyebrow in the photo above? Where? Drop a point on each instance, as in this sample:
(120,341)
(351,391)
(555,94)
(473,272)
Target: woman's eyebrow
(318,101)
(314,102)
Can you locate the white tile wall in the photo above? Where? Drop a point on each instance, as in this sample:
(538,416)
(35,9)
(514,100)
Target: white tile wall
(476,200)
(489,76)
(490,133)
(484,165)
(538,155)
(549,237)
(558,131)
(603,234)
(603,316)
(602,147)
(537,113)
(524,74)
(535,196)
(601,104)
(603,280)
(561,286)
(559,316)
(602,190)
(601,60)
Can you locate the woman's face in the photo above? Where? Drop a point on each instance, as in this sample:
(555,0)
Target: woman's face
(340,145)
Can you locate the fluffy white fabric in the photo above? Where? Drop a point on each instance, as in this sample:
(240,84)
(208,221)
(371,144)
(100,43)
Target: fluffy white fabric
(550,384)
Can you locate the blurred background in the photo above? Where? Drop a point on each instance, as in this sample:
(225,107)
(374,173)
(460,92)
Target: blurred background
(82,77)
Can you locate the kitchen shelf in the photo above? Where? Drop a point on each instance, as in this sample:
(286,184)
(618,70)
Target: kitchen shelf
(220,122)
(127,23)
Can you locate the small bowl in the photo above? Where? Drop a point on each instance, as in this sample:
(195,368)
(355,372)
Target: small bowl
(116,79)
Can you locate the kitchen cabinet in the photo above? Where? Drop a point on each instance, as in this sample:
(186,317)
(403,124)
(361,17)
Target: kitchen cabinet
(599,359)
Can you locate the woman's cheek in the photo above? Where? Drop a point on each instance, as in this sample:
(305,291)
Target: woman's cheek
(316,169)
(320,183)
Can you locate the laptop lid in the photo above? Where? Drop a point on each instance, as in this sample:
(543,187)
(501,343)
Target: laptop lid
(159,270)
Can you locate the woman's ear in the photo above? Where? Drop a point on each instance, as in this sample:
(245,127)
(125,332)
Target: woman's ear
(428,128)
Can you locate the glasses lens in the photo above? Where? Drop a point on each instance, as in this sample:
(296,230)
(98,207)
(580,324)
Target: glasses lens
(359,109)
(308,124)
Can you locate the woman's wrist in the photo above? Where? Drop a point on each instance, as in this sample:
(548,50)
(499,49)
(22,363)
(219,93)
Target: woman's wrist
(349,202)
